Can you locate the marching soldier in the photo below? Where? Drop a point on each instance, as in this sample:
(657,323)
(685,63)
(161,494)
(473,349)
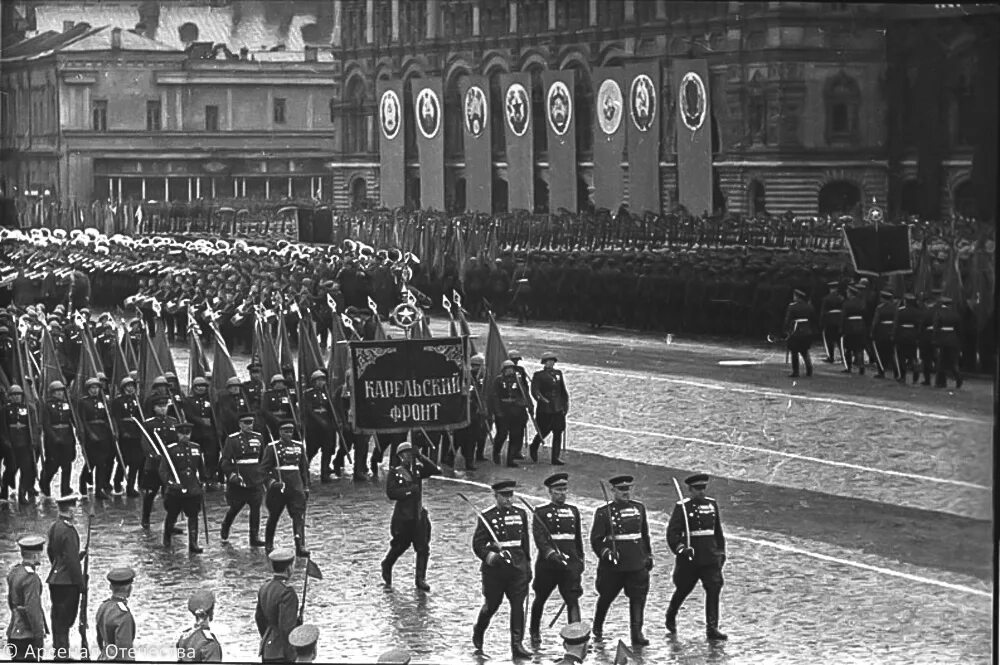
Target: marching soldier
(114,621)
(829,314)
(17,432)
(549,390)
(241,465)
(277,610)
(556,528)
(159,388)
(505,551)
(799,321)
(124,408)
(253,388)
(881,334)
(26,630)
(161,431)
(60,441)
(925,339)
(620,539)
(510,407)
(230,405)
(198,411)
(198,644)
(176,396)
(99,440)
(852,323)
(182,473)
(65,576)
(285,468)
(276,405)
(948,343)
(700,546)
(905,332)
(411,524)
(320,427)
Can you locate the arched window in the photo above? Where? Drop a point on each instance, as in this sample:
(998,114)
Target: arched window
(961,110)
(356,115)
(188,33)
(541,196)
(963,199)
(756,114)
(359,194)
(499,195)
(842,99)
(839,197)
(409,120)
(756,199)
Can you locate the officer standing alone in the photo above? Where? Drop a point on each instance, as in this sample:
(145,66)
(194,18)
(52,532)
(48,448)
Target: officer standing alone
(65,576)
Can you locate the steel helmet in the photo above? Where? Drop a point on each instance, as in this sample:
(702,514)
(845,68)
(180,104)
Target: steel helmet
(318,374)
(199,381)
(233,381)
(92,382)
(56,385)
(276,378)
(15,390)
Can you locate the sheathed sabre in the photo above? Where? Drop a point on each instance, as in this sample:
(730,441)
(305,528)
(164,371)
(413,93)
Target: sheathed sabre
(687,527)
(611,523)
(493,536)
(552,542)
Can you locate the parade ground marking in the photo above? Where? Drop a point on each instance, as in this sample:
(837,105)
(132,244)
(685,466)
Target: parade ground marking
(590,504)
(769,451)
(778,393)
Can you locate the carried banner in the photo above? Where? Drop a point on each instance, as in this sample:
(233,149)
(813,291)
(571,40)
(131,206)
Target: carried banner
(391,135)
(403,385)
(609,138)
(694,135)
(477,138)
(427,117)
(881,250)
(643,102)
(520,141)
(561,122)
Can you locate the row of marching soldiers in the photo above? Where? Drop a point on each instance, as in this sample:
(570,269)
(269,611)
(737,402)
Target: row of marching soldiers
(898,335)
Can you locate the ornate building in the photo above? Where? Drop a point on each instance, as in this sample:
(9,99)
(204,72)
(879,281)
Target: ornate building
(810,109)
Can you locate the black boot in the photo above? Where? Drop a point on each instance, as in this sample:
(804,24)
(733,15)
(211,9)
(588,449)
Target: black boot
(517,649)
(168,532)
(479,631)
(224,531)
(600,613)
(533,448)
(636,609)
(421,577)
(193,538)
(712,616)
(671,621)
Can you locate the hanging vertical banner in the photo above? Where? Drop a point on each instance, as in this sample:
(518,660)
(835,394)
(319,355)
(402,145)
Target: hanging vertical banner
(694,135)
(391,144)
(609,138)
(643,104)
(520,142)
(478,143)
(428,117)
(560,125)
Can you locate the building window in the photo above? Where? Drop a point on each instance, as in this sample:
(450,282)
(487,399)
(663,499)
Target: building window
(355,117)
(354,23)
(333,110)
(757,116)
(212,118)
(843,99)
(279,110)
(99,115)
(533,16)
(611,13)
(413,21)
(757,199)
(494,18)
(383,22)
(571,14)
(962,112)
(154,116)
(645,12)
(188,33)
(458,19)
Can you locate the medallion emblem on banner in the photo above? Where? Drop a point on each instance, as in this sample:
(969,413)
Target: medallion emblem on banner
(609,106)
(388,114)
(560,107)
(428,113)
(516,107)
(642,102)
(476,110)
(692,101)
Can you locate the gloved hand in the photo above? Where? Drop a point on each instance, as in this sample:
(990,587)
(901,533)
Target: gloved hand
(278,487)
(686,552)
(175,488)
(555,556)
(235,479)
(493,559)
(610,557)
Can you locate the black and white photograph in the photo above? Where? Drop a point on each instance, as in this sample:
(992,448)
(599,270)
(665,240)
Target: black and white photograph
(498,331)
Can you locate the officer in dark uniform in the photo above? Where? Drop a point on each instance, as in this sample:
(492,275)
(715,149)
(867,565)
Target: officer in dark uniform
(549,390)
(881,335)
(60,439)
(198,644)
(277,610)
(947,336)
(26,630)
(276,405)
(285,468)
(925,338)
(253,388)
(161,431)
(575,638)
(558,535)
(114,621)
(182,472)
(303,639)
(852,323)
(509,405)
(65,576)
(241,466)
(230,405)
(319,424)
(619,537)
(17,432)
(124,408)
(700,547)
(829,314)
(198,412)
(905,332)
(506,567)
(410,523)
(800,322)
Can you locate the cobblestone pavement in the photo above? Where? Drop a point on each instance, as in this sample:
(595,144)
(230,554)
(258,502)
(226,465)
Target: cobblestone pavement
(827,563)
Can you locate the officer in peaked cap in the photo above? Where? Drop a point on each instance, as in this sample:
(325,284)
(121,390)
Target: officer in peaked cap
(700,546)
(198,644)
(303,639)
(277,609)
(285,468)
(829,314)
(114,621)
(65,575)
(800,323)
(240,464)
(575,638)
(394,657)
(26,630)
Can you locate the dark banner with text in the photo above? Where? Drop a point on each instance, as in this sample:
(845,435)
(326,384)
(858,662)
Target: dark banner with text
(643,106)
(560,126)
(609,138)
(882,250)
(478,143)
(428,119)
(391,146)
(410,384)
(694,135)
(516,90)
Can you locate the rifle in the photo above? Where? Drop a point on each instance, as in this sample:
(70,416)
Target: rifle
(204,507)
(611,523)
(84,593)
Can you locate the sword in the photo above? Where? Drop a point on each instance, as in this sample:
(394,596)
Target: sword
(611,523)
(493,536)
(687,527)
(552,542)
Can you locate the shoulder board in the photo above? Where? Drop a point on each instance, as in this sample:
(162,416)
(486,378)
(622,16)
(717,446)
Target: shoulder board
(208,634)
(122,606)
(684,500)
(193,444)
(172,445)
(29,569)
(710,499)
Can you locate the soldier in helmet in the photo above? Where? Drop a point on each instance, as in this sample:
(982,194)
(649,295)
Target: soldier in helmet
(471,439)
(176,396)
(159,388)
(26,631)
(60,439)
(510,407)
(319,424)
(240,463)
(16,431)
(411,524)
(254,387)
(160,431)
(198,411)
(276,405)
(285,467)
(230,405)
(198,644)
(98,441)
(127,415)
(549,390)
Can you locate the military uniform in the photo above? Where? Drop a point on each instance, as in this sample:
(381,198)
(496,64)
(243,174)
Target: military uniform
(947,336)
(198,644)
(509,406)
(26,630)
(800,322)
(320,427)
(410,524)
(852,323)
(99,443)
(182,472)
(65,578)
(230,406)
(198,411)
(276,612)
(925,341)
(60,444)
(241,465)
(881,335)
(285,467)
(277,407)
(548,388)
(704,532)
(161,430)
(114,622)
(905,334)
(124,408)
(16,425)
